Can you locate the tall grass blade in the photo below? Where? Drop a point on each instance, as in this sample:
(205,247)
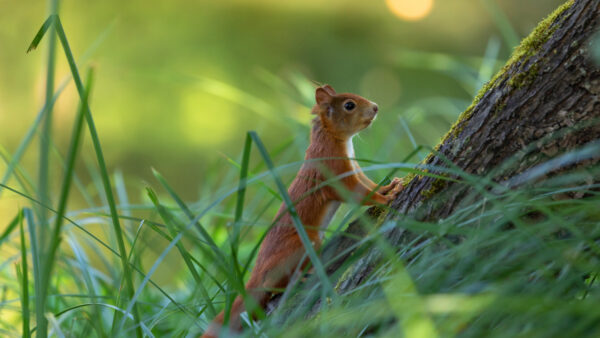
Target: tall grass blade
(241,193)
(43,166)
(66,187)
(34,126)
(239,209)
(24,281)
(37,275)
(104,172)
(56,331)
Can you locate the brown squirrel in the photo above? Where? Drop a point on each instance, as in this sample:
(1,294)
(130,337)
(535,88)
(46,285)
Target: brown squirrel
(339,118)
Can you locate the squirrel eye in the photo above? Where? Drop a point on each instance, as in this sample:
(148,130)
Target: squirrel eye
(349,105)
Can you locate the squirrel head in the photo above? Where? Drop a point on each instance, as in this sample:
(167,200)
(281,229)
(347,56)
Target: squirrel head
(343,114)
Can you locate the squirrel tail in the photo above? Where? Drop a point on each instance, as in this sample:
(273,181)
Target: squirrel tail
(235,322)
(275,264)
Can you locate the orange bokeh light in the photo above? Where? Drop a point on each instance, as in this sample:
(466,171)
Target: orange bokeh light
(411,10)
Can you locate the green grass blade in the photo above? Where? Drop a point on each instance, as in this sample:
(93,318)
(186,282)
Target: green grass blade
(79,306)
(66,185)
(76,180)
(41,32)
(217,254)
(487,67)
(239,210)
(122,192)
(35,257)
(261,183)
(43,175)
(20,175)
(131,259)
(320,270)
(35,252)
(239,203)
(407,304)
(162,256)
(197,262)
(43,166)
(104,172)
(510,36)
(168,218)
(11,226)
(84,267)
(15,159)
(24,281)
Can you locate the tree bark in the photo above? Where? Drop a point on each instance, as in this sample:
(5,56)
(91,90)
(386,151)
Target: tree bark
(544,103)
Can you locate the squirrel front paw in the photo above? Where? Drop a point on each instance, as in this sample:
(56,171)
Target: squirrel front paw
(393,189)
(387,189)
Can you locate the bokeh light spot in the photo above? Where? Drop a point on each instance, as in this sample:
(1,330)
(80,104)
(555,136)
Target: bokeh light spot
(207,120)
(411,10)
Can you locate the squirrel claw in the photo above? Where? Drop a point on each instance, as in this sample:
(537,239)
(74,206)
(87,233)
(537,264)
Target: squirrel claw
(394,189)
(397,189)
(386,189)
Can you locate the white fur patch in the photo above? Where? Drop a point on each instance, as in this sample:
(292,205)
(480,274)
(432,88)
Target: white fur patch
(350,153)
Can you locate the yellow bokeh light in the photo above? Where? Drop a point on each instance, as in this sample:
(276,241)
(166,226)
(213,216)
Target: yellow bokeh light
(410,9)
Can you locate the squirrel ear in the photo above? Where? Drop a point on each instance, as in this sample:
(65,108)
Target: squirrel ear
(322,96)
(329,89)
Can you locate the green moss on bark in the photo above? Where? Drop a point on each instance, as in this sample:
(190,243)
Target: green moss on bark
(524,78)
(436,186)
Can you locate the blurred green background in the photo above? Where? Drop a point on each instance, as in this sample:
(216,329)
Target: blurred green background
(178,83)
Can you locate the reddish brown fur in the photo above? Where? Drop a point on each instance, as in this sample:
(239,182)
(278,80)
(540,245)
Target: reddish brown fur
(282,250)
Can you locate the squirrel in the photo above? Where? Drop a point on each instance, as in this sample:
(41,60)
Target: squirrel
(330,154)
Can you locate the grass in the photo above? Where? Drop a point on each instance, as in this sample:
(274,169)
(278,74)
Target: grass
(510,262)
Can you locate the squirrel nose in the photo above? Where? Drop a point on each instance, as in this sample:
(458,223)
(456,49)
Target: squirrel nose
(375,108)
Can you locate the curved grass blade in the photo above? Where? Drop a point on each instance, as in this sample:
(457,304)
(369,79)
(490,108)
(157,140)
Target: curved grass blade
(11,226)
(31,226)
(21,176)
(128,315)
(168,218)
(218,253)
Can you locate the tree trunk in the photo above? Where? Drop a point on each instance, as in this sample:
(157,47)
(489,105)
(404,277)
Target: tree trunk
(544,103)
